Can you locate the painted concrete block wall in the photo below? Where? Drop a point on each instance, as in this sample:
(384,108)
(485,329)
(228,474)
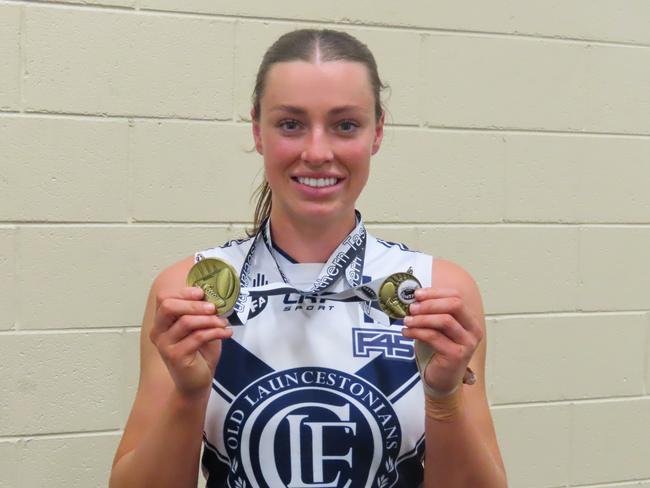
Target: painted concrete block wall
(518,146)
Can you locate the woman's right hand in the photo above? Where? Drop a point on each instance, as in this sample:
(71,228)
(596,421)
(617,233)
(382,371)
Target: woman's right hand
(188,336)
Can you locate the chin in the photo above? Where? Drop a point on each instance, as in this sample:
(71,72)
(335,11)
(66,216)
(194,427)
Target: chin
(324,213)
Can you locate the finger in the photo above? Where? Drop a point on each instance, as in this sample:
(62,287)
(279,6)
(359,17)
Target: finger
(428,293)
(187,324)
(447,300)
(172,308)
(436,305)
(444,323)
(439,342)
(193,342)
(185,293)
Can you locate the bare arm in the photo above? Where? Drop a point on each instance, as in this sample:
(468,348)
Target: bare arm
(179,346)
(461,444)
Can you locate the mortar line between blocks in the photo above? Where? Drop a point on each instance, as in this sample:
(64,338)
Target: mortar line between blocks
(615,484)
(71,6)
(395,126)
(570,402)
(71,330)
(61,435)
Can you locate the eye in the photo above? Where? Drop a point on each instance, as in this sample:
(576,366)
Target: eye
(289,125)
(348,126)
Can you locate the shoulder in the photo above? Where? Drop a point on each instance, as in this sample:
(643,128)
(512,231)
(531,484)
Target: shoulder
(449,275)
(172,277)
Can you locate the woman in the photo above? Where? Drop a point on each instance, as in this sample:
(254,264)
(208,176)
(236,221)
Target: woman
(313,391)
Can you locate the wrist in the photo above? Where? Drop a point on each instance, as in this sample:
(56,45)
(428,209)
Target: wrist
(189,401)
(444,408)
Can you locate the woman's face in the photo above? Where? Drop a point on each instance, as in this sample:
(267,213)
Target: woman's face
(317,131)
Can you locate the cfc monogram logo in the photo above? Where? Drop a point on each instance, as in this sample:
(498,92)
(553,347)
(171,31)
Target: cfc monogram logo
(311,428)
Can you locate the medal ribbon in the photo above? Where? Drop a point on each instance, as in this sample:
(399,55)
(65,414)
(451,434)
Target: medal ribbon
(347,260)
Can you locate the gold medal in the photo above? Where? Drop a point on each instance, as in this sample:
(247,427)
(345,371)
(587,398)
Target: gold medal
(218,280)
(396,293)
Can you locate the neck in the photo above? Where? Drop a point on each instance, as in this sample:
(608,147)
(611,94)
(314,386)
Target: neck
(309,242)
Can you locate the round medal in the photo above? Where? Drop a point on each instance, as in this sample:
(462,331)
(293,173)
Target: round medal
(218,280)
(396,293)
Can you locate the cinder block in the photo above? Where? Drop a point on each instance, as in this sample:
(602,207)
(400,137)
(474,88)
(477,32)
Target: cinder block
(568,357)
(534,84)
(10,55)
(553,178)
(433,176)
(534,443)
(614,268)
(125,63)
(7,277)
(283,9)
(610,441)
(59,382)
(68,462)
(519,269)
(98,276)
(9,464)
(584,19)
(64,169)
(189,171)
(252,39)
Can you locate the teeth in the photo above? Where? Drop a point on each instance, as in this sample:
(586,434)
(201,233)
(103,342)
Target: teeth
(317,182)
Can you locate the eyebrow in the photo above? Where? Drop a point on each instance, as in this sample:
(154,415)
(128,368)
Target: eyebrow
(300,111)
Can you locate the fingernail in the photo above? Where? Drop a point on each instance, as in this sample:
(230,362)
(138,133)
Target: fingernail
(208,307)
(419,293)
(414,308)
(408,319)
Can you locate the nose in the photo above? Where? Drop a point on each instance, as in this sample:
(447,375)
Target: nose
(318,148)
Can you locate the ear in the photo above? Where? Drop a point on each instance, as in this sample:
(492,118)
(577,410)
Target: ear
(379,134)
(256,131)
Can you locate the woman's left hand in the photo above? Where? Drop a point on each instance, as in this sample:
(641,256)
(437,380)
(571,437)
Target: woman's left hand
(440,319)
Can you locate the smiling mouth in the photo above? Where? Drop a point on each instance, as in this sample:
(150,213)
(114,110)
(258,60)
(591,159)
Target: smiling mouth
(316,182)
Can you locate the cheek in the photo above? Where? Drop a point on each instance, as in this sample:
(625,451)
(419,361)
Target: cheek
(358,154)
(279,154)
(281,149)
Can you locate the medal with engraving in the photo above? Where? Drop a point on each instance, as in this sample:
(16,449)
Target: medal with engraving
(218,280)
(396,293)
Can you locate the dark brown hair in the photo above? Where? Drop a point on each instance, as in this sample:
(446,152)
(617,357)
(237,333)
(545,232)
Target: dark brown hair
(307,45)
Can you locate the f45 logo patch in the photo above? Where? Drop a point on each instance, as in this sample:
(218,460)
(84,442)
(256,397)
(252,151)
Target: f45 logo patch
(392,344)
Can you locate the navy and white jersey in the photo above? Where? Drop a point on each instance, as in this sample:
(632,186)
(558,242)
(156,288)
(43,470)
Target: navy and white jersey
(312,392)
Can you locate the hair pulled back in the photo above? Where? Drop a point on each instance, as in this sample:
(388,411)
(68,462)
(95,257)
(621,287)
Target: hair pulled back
(309,45)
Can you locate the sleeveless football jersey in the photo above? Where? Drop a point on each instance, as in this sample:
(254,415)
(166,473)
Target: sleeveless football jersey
(312,392)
